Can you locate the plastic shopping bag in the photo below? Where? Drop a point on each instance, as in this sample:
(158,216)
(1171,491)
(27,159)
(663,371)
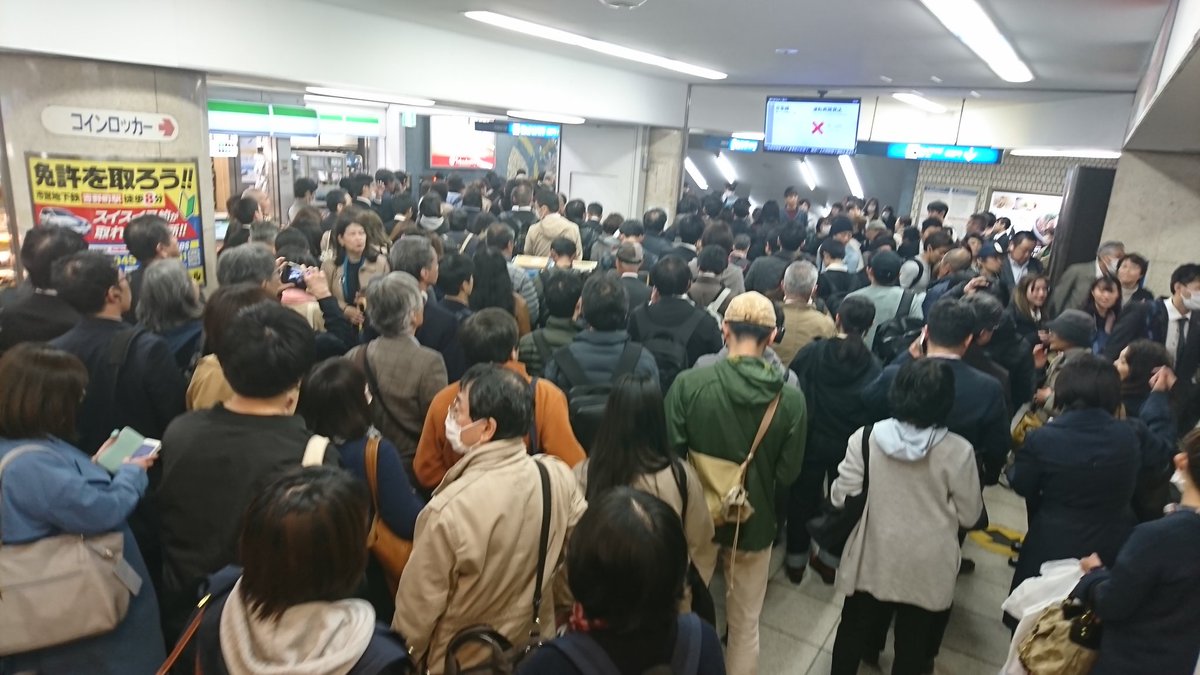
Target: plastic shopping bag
(1027,602)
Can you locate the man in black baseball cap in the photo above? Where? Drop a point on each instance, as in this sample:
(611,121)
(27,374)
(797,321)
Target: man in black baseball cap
(885,292)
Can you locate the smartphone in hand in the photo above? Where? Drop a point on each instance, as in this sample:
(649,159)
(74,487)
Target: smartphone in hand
(128,443)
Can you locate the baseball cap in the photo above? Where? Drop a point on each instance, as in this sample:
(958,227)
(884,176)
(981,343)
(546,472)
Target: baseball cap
(752,308)
(990,249)
(629,252)
(886,265)
(1074,326)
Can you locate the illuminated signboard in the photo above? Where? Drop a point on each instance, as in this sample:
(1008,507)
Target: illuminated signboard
(743,145)
(961,154)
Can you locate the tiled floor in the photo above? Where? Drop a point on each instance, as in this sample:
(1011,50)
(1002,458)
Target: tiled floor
(799,622)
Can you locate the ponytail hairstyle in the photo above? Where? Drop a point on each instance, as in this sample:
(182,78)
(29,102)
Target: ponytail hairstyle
(855,316)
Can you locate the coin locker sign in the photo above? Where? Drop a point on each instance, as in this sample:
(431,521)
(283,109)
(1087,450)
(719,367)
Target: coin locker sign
(98,197)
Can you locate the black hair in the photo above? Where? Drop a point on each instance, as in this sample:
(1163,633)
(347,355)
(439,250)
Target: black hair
(500,394)
(770,211)
(488,336)
(563,289)
(741,207)
(385,176)
(713,259)
(402,205)
(575,211)
(939,239)
(358,183)
(833,248)
(1185,274)
(548,199)
(455,183)
(493,286)
(303,186)
(333,400)
(457,220)
(923,393)
(670,276)
(333,199)
(144,234)
(938,207)
(564,246)
(633,228)
(473,198)
(595,209)
(43,247)
(950,323)
(742,242)
(84,279)
(791,191)
(632,439)
(430,205)
(266,350)
(712,205)
(750,331)
(454,270)
(1089,304)
(1024,236)
(687,205)
(244,210)
(690,228)
(931,222)
(499,236)
(791,238)
(855,316)
(605,303)
(1143,357)
(989,311)
(627,561)
(1088,381)
(654,220)
(344,221)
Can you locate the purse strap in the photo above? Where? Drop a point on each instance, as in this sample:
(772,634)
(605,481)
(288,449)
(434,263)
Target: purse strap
(362,359)
(762,431)
(185,639)
(371,464)
(866,455)
(543,545)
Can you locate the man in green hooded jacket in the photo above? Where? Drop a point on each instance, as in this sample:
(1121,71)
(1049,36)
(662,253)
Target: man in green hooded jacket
(717,412)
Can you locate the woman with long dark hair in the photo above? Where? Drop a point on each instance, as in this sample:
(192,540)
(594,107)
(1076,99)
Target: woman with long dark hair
(1029,306)
(354,265)
(1104,305)
(631,450)
(494,288)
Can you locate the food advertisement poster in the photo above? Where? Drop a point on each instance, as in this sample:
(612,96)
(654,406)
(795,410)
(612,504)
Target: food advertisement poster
(1028,212)
(98,197)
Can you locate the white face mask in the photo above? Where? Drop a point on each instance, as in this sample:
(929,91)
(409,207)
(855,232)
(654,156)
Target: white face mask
(454,434)
(1112,267)
(1192,302)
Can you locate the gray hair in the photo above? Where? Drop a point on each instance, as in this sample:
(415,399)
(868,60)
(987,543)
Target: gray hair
(248,263)
(800,279)
(168,297)
(412,254)
(391,302)
(264,232)
(1111,248)
(989,312)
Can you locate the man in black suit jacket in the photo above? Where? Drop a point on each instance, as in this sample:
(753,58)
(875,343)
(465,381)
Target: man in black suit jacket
(1019,262)
(1174,322)
(439,330)
(655,243)
(39,315)
(628,263)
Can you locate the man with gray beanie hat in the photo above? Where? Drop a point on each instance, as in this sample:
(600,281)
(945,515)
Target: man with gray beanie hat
(1071,333)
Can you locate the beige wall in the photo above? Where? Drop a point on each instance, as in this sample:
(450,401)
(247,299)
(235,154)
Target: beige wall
(664,170)
(30,83)
(1155,210)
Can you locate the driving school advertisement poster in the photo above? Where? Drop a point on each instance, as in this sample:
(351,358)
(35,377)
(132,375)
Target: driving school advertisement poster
(98,197)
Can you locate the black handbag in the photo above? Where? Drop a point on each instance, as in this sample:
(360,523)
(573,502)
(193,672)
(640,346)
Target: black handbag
(702,600)
(831,530)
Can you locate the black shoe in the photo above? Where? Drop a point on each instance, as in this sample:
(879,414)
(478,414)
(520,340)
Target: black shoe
(967,566)
(871,658)
(1012,562)
(827,573)
(794,574)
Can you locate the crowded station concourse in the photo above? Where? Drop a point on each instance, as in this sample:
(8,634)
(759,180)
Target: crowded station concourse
(613,371)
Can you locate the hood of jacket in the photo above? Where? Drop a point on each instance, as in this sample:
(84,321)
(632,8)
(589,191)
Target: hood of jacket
(902,441)
(749,381)
(313,638)
(835,370)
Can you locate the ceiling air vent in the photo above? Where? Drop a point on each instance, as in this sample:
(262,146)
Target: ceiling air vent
(623,4)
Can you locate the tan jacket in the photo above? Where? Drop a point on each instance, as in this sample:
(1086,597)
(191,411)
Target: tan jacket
(476,549)
(208,386)
(368,271)
(546,230)
(802,324)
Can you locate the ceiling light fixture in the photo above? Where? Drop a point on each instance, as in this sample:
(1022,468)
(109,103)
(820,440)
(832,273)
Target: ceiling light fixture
(552,118)
(694,172)
(810,177)
(623,4)
(787,51)
(1081,153)
(369,96)
(567,38)
(886,79)
(726,168)
(935,79)
(749,135)
(919,101)
(851,174)
(968,21)
(975,94)
(333,100)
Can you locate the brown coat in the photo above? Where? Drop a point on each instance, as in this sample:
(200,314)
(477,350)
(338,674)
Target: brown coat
(475,551)
(368,271)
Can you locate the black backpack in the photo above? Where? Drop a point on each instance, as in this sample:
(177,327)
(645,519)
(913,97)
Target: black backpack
(586,402)
(668,344)
(896,334)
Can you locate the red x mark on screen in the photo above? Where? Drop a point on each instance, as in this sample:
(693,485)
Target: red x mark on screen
(818,128)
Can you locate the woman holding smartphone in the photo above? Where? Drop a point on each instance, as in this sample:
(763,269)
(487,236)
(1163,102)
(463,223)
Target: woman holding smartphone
(53,488)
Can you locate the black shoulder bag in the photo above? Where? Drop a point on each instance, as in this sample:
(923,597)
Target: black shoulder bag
(831,530)
(702,599)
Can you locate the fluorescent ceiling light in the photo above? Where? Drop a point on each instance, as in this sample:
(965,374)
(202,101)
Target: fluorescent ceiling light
(694,172)
(1083,153)
(552,118)
(919,101)
(567,38)
(810,177)
(848,170)
(369,96)
(968,21)
(352,102)
(726,168)
(749,135)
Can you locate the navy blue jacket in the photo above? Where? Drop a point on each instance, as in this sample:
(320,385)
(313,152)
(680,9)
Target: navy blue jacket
(1147,599)
(978,414)
(439,332)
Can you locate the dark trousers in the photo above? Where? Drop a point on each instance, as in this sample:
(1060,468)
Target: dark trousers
(862,617)
(804,502)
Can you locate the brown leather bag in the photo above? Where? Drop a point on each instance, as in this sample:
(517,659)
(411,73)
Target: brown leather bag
(391,550)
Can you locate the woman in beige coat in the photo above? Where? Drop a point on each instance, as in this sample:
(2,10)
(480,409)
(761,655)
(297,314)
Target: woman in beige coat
(354,265)
(903,556)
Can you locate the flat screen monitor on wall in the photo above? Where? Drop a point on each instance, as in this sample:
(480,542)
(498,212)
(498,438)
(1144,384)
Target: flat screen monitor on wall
(815,126)
(455,144)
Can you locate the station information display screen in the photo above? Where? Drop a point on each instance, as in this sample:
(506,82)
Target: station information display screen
(815,126)
(454,143)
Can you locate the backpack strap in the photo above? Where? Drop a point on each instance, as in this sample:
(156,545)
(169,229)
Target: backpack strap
(630,355)
(905,306)
(543,549)
(463,248)
(715,305)
(118,353)
(314,452)
(534,447)
(363,362)
(689,638)
(543,346)
(585,654)
(570,367)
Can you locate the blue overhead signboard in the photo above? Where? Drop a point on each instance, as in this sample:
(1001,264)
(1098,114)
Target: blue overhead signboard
(962,154)
(533,130)
(743,145)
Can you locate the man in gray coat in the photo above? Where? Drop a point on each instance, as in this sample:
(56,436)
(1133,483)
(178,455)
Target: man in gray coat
(1071,289)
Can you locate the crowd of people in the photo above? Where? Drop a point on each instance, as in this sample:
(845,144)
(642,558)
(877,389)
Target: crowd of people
(380,433)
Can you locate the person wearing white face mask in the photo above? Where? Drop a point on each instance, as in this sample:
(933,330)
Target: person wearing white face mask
(476,547)
(1069,290)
